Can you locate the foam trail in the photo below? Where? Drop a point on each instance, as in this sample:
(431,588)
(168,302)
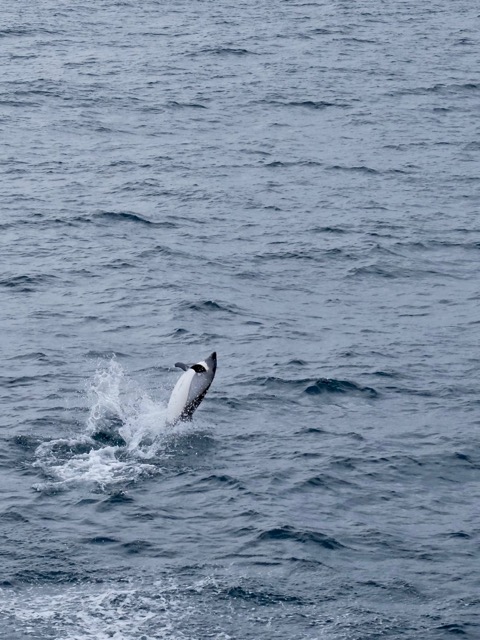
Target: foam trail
(99,466)
(110,611)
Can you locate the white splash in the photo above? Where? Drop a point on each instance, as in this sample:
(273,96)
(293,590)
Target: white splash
(125,433)
(104,393)
(112,612)
(114,396)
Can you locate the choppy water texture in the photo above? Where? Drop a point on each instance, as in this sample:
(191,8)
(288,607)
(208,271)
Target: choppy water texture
(296,186)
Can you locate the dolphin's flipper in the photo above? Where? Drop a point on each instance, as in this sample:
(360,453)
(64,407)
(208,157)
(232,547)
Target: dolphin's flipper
(180,365)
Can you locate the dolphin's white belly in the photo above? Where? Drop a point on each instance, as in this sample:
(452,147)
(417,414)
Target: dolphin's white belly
(179,397)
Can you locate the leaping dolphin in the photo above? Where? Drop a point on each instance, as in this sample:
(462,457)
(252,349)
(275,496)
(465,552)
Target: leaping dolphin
(190,389)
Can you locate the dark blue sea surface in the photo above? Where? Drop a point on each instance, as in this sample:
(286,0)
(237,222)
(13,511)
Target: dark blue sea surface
(295,185)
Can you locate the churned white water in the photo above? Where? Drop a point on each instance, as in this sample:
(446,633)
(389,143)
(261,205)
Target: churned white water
(120,412)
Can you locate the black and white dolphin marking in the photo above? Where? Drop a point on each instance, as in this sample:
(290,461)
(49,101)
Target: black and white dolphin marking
(190,389)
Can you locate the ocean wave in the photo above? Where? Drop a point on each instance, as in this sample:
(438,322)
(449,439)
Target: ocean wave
(209,306)
(398,272)
(440,88)
(325,481)
(225,51)
(315,386)
(126,216)
(260,597)
(330,385)
(303,536)
(27,283)
(314,105)
(186,105)
(24,381)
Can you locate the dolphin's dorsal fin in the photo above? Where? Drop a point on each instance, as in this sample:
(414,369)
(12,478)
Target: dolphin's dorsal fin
(180,365)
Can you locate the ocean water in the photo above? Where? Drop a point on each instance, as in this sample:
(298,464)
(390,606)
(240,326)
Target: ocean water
(295,185)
